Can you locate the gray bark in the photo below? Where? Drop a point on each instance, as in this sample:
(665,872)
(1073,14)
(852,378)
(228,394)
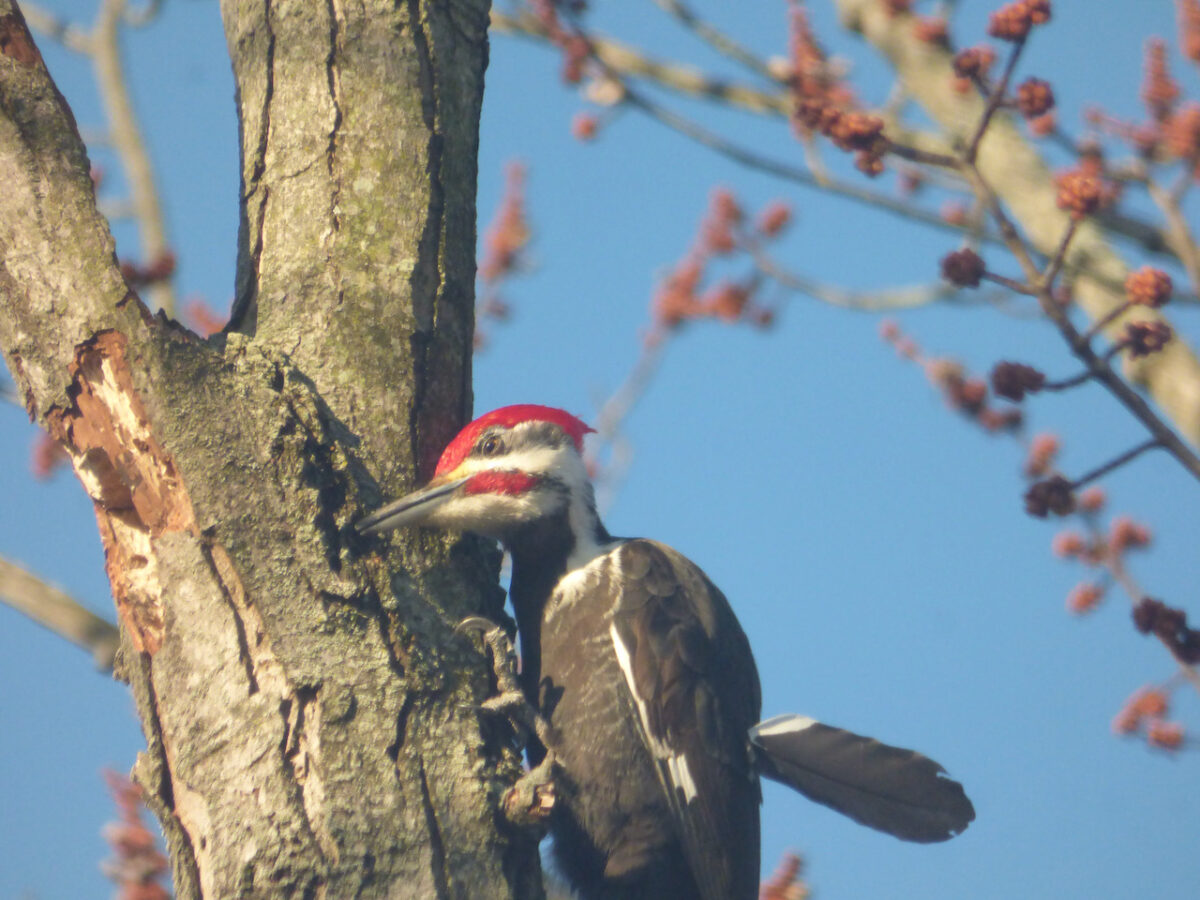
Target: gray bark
(309,712)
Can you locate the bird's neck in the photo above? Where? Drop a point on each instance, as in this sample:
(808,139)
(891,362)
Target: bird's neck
(543,552)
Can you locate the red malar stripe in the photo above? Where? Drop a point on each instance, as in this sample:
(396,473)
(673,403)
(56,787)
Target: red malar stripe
(500,483)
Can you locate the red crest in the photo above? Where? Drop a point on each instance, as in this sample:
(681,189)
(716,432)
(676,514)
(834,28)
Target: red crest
(508,416)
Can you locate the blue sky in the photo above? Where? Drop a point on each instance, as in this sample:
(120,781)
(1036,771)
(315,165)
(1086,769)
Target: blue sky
(872,544)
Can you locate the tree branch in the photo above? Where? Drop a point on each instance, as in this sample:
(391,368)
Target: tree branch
(128,142)
(1016,173)
(54,609)
(684,79)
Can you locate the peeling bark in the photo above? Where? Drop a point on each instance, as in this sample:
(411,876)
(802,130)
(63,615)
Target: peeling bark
(310,713)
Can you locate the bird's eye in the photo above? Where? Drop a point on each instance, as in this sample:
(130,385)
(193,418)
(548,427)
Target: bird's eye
(491,446)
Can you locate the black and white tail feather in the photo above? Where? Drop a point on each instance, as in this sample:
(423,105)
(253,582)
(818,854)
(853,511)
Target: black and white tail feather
(890,789)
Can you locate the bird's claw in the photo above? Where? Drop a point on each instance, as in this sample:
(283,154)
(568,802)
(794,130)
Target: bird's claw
(511,700)
(475,624)
(530,801)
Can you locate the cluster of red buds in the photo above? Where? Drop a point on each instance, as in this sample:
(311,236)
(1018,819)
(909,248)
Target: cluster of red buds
(504,243)
(1013,381)
(156,271)
(810,75)
(972,64)
(963,392)
(854,131)
(787,882)
(508,234)
(585,126)
(824,104)
(1097,549)
(932,30)
(1043,451)
(48,454)
(574,46)
(1082,193)
(1084,597)
(1170,626)
(1013,21)
(199,317)
(963,268)
(1148,709)
(1054,495)
(1034,97)
(1035,101)
(1173,129)
(138,865)
(1189,29)
(680,296)
(1159,89)
(1145,338)
(1181,133)
(1148,286)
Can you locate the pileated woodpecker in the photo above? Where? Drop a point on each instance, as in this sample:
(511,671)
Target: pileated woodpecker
(640,666)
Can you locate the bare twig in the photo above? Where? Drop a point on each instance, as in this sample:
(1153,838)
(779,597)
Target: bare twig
(864,301)
(52,608)
(1101,323)
(1117,462)
(995,98)
(1060,255)
(129,144)
(140,17)
(716,39)
(1178,233)
(57,28)
(613,413)
(757,161)
(624,60)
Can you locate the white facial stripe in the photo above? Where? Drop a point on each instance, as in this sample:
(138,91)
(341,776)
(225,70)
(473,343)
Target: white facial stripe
(561,463)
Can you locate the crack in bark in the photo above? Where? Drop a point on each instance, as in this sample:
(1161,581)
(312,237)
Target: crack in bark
(239,625)
(159,791)
(263,669)
(427,280)
(322,472)
(437,847)
(244,316)
(333,76)
(301,748)
(393,749)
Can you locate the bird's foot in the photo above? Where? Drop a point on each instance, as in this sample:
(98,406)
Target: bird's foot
(530,801)
(511,701)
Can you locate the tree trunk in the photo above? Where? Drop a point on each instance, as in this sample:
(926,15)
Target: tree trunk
(309,711)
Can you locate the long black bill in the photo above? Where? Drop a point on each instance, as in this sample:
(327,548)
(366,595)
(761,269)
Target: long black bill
(896,791)
(411,509)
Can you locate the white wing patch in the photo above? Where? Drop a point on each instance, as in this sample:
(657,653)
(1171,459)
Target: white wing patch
(678,771)
(777,725)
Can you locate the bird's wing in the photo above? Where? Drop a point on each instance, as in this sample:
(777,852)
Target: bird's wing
(694,687)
